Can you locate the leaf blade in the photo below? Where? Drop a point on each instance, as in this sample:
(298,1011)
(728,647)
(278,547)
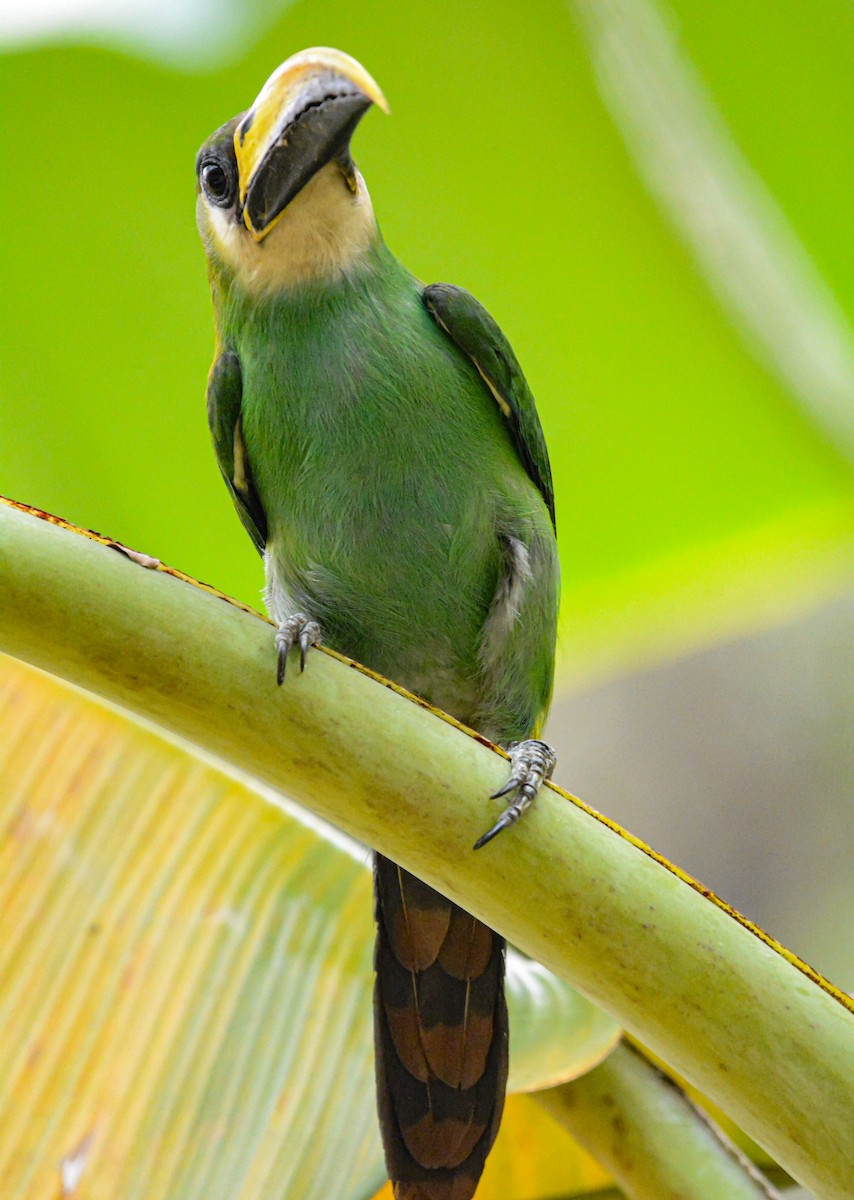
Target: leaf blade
(187,974)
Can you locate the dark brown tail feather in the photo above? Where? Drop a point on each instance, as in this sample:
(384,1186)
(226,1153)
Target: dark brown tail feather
(440,1030)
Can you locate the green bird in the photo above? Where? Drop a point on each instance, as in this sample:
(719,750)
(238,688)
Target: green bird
(384,453)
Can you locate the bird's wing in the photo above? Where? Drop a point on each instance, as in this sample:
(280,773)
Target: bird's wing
(470,326)
(225,392)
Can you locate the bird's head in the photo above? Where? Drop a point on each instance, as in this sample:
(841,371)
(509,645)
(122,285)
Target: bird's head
(280,201)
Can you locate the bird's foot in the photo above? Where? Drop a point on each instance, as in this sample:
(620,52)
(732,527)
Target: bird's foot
(531,764)
(298,630)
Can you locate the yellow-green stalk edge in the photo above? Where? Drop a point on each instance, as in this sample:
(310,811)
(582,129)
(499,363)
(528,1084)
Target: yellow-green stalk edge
(736,1013)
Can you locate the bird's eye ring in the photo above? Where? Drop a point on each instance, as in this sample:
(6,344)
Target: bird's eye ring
(216,183)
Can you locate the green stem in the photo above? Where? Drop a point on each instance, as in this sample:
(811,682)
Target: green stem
(642,1127)
(742,1019)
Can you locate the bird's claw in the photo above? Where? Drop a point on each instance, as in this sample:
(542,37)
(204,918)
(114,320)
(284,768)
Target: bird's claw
(531,764)
(296,630)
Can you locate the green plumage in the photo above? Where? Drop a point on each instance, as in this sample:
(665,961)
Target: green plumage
(384,454)
(390,483)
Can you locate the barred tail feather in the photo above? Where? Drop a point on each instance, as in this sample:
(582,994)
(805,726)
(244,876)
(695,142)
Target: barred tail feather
(440,1030)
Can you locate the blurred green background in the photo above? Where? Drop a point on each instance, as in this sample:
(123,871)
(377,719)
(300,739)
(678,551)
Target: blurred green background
(653,200)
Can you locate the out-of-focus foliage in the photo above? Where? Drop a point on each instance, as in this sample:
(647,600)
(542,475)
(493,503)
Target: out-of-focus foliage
(674,965)
(694,495)
(186,978)
(697,497)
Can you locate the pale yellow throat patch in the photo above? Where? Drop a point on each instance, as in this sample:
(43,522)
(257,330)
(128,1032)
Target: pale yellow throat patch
(324,232)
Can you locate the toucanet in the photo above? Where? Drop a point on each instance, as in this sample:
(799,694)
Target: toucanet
(384,453)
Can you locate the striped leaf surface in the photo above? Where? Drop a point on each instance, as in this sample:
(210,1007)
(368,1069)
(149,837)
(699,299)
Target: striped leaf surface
(185,975)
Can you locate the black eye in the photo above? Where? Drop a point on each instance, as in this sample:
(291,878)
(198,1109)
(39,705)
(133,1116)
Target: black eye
(216,183)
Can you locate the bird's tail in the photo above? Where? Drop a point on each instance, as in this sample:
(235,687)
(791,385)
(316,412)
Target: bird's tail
(440,1022)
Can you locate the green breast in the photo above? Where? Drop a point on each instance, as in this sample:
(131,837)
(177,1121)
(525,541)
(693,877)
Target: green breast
(384,468)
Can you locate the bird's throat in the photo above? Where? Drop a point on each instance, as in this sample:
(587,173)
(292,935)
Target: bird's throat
(326,231)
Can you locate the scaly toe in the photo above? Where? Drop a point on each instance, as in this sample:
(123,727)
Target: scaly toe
(531,764)
(294,630)
(309,637)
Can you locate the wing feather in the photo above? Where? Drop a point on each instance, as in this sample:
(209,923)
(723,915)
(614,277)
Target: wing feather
(472,329)
(225,394)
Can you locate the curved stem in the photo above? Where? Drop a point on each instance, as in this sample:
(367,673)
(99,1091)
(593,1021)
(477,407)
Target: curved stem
(642,1128)
(740,1017)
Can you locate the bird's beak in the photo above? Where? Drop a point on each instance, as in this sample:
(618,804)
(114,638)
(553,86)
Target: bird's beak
(304,115)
